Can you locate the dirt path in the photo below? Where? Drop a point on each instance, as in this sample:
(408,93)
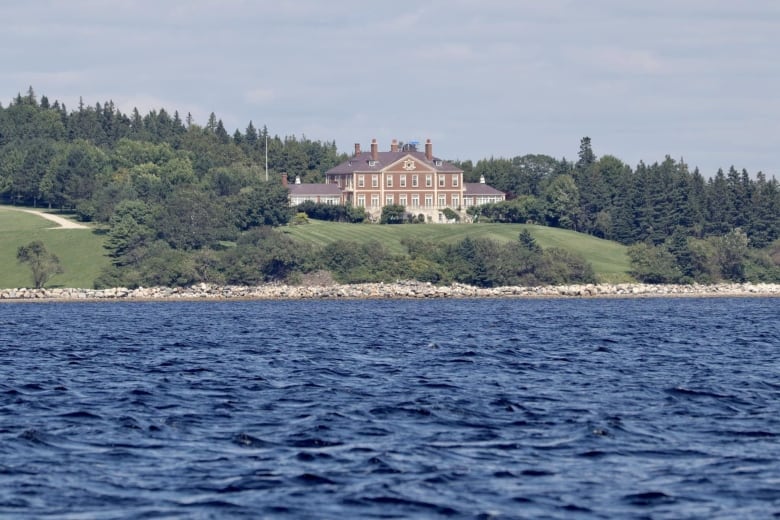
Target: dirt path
(63,222)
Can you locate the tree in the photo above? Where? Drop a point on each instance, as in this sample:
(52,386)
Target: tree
(43,263)
(562,199)
(731,252)
(653,264)
(586,155)
(529,242)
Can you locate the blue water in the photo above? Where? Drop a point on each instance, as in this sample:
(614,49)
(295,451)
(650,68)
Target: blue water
(665,408)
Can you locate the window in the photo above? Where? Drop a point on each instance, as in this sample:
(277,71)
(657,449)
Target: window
(361,201)
(415,181)
(402,181)
(389,200)
(442,201)
(374,201)
(455,181)
(389,181)
(428,181)
(375,181)
(455,201)
(441,181)
(415,201)
(429,201)
(402,200)
(361,181)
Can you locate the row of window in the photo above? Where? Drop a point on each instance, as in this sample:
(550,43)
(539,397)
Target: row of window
(455,180)
(332,200)
(403,200)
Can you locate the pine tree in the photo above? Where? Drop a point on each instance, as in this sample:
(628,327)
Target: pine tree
(211,124)
(251,134)
(586,155)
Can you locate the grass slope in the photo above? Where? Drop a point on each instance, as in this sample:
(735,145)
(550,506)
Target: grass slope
(80,251)
(82,255)
(608,258)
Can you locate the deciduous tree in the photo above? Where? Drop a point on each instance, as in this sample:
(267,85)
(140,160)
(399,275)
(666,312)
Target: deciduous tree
(43,263)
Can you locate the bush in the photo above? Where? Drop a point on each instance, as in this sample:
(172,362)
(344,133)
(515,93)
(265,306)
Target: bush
(653,264)
(450,214)
(300,219)
(85,211)
(393,214)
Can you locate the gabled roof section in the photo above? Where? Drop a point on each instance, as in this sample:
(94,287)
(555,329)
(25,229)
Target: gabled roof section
(418,166)
(320,190)
(478,188)
(363,163)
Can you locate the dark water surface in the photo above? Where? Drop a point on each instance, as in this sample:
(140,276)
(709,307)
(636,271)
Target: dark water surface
(663,408)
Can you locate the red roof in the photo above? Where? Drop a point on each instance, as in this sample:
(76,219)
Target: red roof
(361,162)
(318,190)
(477,188)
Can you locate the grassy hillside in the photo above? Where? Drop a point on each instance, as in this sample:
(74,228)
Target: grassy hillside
(608,258)
(80,251)
(82,255)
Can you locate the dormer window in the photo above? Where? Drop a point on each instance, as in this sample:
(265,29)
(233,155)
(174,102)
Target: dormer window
(372,163)
(437,162)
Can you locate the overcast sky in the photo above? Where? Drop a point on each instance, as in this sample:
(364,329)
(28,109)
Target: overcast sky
(694,79)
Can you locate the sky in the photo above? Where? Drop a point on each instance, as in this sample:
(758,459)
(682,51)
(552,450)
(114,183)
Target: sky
(698,80)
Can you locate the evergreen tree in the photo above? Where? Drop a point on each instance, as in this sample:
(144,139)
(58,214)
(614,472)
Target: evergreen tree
(586,155)
(251,135)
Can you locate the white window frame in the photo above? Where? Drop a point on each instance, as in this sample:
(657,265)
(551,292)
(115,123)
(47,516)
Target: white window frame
(415,181)
(442,181)
(389,181)
(402,199)
(361,181)
(442,200)
(429,181)
(455,180)
(389,200)
(375,181)
(415,201)
(429,200)
(361,201)
(375,200)
(402,181)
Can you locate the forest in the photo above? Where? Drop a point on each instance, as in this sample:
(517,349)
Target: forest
(182,203)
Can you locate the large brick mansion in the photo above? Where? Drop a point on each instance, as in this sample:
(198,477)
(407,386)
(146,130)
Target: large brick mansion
(419,181)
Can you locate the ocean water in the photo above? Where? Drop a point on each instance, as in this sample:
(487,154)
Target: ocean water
(615,408)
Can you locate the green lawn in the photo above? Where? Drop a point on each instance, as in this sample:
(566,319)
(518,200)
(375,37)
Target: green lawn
(608,258)
(80,251)
(82,255)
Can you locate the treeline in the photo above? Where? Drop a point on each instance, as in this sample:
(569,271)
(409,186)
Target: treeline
(263,254)
(607,198)
(683,228)
(183,203)
(52,157)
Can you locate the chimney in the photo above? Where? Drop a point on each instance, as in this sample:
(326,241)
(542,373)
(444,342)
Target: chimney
(482,179)
(394,145)
(297,180)
(374,150)
(357,149)
(428,150)
(284,179)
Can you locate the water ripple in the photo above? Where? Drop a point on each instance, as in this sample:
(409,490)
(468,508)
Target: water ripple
(391,409)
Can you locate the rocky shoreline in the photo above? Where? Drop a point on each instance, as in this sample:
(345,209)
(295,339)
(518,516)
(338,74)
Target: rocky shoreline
(399,290)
